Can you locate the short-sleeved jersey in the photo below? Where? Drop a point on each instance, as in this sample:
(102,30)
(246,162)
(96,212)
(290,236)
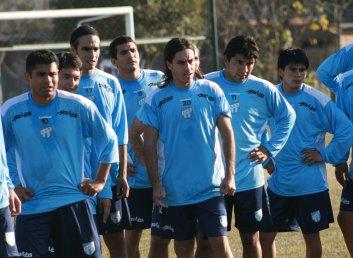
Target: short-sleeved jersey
(48,142)
(190,164)
(5,181)
(105,91)
(335,64)
(135,92)
(316,116)
(252,103)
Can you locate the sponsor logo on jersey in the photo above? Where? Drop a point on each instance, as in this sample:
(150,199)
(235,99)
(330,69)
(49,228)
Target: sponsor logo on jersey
(165,100)
(258,215)
(10,238)
(316,216)
(51,249)
(186,108)
(21,115)
(105,87)
(67,113)
(256,92)
(156,84)
(154,225)
(206,96)
(89,248)
(307,105)
(223,220)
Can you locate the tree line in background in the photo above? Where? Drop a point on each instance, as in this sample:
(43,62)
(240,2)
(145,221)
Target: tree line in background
(276,24)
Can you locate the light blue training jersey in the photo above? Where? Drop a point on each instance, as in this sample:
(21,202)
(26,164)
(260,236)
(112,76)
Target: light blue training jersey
(5,181)
(190,162)
(135,92)
(344,94)
(335,64)
(316,116)
(105,91)
(49,146)
(252,103)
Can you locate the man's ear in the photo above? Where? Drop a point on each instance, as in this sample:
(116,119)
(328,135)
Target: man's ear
(27,76)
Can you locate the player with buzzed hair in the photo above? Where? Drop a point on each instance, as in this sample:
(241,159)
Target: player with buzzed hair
(105,91)
(45,131)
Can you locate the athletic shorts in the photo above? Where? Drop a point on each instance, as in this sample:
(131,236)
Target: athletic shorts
(347,197)
(313,211)
(250,207)
(140,204)
(184,222)
(71,229)
(119,217)
(8,246)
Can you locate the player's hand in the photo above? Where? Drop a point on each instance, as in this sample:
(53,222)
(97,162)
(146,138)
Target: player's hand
(91,187)
(311,156)
(227,185)
(15,203)
(130,169)
(341,172)
(104,205)
(159,195)
(124,186)
(258,155)
(23,193)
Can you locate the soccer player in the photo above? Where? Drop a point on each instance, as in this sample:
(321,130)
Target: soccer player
(46,130)
(10,204)
(183,117)
(336,73)
(105,91)
(252,102)
(136,83)
(298,185)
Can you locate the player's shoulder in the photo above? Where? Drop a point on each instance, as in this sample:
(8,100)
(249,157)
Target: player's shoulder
(75,99)
(153,73)
(110,79)
(319,96)
(261,82)
(14,102)
(213,75)
(210,85)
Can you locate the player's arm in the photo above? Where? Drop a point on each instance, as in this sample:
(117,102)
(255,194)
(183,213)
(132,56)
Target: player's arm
(136,139)
(334,65)
(151,158)
(228,143)
(283,118)
(336,123)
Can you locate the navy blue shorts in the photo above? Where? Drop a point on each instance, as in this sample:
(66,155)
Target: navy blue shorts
(119,217)
(313,211)
(71,229)
(8,246)
(140,204)
(184,222)
(347,197)
(250,207)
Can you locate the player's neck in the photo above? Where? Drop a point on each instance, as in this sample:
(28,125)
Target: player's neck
(130,76)
(86,72)
(289,89)
(42,100)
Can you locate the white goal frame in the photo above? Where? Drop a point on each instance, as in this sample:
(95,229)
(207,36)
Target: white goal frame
(94,13)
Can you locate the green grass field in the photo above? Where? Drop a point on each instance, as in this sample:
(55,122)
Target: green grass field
(288,244)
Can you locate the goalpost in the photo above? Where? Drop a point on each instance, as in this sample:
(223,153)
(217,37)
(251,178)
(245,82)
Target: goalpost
(94,13)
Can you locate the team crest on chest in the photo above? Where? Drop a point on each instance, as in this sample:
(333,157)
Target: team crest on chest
(186,108)
(141,96)
(234,103)
(45,126)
